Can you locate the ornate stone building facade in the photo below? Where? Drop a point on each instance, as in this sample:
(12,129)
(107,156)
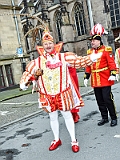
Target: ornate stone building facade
(11,38)
(70,21)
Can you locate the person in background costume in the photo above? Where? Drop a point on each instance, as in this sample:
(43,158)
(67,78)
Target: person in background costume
(117,58)
(56,88)
(103,75)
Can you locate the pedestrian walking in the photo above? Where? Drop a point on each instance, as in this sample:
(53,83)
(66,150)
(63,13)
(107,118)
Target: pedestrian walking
(103,75)
(56,88)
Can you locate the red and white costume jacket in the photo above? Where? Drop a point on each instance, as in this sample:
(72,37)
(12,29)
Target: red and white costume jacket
(117,59)
(101,70)
(57,89)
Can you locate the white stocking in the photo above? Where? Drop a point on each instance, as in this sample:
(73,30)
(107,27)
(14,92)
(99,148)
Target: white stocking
(69,124)
(54,124)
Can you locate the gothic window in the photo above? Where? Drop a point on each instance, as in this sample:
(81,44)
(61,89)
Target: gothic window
(58,22)
(115,12)
(79,19)
(39,34)
(39,37)
(25,30)
(37,5)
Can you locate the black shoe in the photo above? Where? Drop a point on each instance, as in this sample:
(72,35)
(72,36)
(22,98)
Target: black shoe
(102,122)
(113,122)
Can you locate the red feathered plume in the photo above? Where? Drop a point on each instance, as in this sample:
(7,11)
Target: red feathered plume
(98,29)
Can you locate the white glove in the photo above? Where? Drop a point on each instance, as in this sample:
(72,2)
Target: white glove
(95,56)
(117,77)
(85,82)
(23,87)
(112,78)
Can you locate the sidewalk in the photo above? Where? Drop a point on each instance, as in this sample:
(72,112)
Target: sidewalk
(13,93)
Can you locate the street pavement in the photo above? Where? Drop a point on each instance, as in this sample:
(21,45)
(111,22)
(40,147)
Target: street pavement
(28,135)
(16,105)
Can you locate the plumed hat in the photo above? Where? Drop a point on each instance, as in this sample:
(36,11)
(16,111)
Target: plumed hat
(47,36)
(97,31)
(96,36)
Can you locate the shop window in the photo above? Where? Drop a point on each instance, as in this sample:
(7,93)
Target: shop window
(2,82)
(9,74)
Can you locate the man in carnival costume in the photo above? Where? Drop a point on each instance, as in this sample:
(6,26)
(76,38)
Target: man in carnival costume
(56,87)
(117,58)
(74,76)
(103,75)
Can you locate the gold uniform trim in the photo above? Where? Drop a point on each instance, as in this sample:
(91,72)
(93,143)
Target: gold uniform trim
(99,70)
(113,72)
(89,51)
(108,48)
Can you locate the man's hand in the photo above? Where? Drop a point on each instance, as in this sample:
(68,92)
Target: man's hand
(85,82)
(39,72)
(95,56)
(112,78)
(23,87)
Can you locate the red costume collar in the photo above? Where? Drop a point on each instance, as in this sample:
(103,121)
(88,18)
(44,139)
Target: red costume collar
(57,48)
